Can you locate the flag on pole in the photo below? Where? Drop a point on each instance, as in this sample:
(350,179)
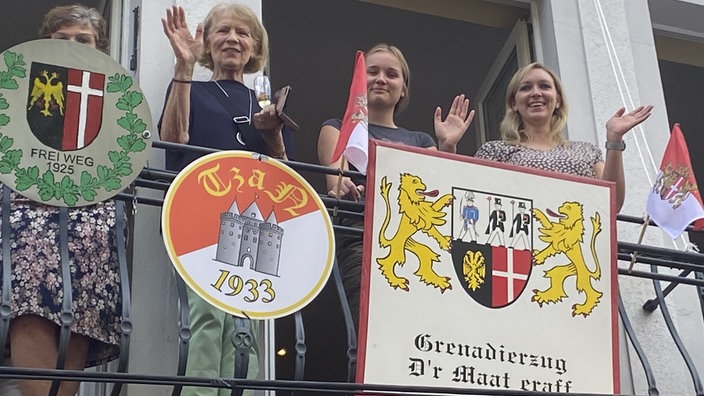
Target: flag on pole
(674,201)
(354,135)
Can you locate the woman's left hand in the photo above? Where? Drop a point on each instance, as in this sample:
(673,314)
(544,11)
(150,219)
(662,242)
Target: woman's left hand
(620,123)
(269,124)
(267,119)
(451,130)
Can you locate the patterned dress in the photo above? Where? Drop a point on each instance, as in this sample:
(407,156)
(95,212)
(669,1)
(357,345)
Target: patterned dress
(36,270)
(573,158)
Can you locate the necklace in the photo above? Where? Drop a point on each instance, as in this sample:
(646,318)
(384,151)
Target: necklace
(243,119)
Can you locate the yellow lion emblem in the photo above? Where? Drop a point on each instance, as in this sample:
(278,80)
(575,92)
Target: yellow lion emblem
(565,236)
(417,214)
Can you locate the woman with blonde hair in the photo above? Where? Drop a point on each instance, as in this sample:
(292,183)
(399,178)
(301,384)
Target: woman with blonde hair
(388,94)
(512,127)
(220,113)
(230,42)
(388,84)
(532,132)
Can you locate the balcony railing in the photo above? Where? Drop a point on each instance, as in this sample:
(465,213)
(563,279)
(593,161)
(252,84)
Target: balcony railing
(153,179)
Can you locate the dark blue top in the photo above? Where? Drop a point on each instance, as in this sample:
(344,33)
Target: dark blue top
(211,125)
(394,135)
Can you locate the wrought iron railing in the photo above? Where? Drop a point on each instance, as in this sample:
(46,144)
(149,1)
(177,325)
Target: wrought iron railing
(160,179)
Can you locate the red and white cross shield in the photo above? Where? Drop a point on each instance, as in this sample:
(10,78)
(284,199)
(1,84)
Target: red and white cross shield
(65,105)
(494,276)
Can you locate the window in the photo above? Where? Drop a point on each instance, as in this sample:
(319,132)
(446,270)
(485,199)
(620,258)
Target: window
(492,93)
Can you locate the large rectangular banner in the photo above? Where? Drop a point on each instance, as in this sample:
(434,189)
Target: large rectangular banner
(484,275)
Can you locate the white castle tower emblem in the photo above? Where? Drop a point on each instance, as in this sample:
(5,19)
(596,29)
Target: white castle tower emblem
(246,240)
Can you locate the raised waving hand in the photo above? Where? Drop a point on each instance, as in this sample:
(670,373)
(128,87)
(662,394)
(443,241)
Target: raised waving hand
(451,130)
(187,48)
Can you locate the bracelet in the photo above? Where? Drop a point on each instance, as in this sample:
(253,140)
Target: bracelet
(618,146)
(181,81)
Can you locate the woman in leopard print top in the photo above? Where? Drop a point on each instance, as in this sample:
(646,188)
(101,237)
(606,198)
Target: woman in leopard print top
(531,130)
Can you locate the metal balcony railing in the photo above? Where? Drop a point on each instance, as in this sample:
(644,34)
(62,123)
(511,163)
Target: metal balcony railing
(159,179)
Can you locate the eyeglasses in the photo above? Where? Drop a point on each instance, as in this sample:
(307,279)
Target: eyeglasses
(82,38)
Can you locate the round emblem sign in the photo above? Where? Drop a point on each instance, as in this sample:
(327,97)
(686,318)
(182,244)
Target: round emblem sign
(248,234)
(74,127)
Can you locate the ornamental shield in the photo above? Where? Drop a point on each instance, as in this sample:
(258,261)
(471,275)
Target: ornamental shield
(492,246)
(65,105)
(74,127)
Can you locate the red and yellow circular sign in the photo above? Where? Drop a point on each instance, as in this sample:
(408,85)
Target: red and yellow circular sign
(248,234)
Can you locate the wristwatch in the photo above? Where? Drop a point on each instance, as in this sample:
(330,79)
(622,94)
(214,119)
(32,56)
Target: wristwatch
(618,146)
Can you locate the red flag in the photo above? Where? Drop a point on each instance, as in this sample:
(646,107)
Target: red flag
(674,201)
(354,134)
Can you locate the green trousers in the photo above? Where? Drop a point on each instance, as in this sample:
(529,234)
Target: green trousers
(211,352)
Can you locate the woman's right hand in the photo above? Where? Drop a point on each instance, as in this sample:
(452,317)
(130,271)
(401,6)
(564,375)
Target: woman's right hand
(347,190)
(175,118)
(186,48)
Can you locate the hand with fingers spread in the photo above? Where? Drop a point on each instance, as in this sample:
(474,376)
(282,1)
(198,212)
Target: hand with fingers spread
(187,48)
(450,131)
(619,124)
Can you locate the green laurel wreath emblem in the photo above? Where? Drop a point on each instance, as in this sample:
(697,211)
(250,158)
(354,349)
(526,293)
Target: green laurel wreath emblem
(66,189)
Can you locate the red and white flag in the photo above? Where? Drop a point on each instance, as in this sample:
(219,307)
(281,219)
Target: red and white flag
(354,135)
(674,201)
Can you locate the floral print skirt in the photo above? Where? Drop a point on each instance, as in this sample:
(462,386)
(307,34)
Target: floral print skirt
(37,287)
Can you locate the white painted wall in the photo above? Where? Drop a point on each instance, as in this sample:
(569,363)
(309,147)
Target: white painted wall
(576,43)
(155,338)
